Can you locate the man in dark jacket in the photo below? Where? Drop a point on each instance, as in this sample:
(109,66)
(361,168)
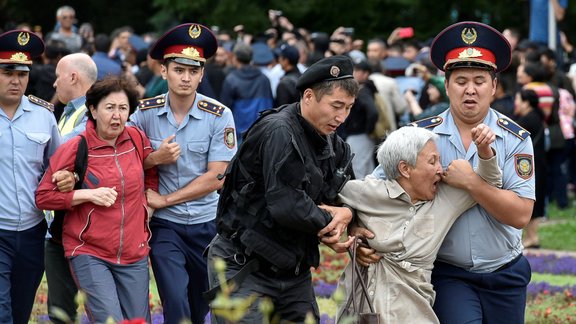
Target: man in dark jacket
(246,90)
(274,207)
(286,91)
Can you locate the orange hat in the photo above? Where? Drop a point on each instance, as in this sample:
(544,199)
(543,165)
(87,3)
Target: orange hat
(470,44)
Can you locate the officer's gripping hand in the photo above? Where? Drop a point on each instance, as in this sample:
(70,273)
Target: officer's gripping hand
(155,200)
(483,136)
(364,255)
(168,152)
(341,217)
(338,247)
(64,180)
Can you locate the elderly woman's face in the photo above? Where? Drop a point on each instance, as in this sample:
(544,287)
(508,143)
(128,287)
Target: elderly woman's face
(111,115)
(425,176)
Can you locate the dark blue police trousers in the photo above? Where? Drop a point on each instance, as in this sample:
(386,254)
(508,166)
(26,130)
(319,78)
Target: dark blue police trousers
(467,297)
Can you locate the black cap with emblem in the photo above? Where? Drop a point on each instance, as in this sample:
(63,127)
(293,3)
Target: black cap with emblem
(189,44)
(336,67)
(18,48)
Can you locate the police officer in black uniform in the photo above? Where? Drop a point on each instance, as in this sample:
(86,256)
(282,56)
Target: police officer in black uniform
(274,207)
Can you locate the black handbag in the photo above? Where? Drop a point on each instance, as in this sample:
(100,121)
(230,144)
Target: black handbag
(354,307)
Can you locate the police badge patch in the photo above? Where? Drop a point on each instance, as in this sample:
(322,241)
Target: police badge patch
(524,165)
(229,138)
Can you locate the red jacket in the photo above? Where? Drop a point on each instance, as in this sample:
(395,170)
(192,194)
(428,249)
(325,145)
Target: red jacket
(118,233)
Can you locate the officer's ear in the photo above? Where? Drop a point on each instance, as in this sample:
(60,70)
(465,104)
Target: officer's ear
(307,96)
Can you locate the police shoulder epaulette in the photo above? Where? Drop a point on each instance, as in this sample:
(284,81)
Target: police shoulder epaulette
(154,102)
(513,128)
(41,102)
(211,107)
(427,122)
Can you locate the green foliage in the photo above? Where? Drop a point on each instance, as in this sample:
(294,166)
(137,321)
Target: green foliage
(553,280)
(557,233)
(370,18)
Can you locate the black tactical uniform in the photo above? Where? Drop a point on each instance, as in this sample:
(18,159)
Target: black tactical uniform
(268,217)
(284,170)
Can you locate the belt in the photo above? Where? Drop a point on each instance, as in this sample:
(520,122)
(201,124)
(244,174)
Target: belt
(265,267)
(509,264)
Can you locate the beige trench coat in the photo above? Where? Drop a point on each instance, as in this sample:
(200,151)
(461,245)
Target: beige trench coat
(408,237)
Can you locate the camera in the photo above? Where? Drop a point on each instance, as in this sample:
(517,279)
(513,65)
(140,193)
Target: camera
(277,13)
(349,31)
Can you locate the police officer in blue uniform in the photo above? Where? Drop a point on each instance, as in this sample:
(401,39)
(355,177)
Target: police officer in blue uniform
(274,205)
(480,275)
(200,133)
(28,137)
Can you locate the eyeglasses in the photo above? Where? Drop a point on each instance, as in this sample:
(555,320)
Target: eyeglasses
(68,17)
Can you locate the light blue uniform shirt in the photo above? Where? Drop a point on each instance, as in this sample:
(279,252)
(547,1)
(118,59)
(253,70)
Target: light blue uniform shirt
(28,141)
(478,242)
(202,139)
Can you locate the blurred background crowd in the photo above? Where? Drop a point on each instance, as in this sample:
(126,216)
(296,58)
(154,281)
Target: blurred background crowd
(256,68)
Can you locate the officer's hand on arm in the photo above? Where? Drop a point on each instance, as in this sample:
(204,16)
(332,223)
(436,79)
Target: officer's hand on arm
(102,196)
(483,136)
(341,217)
(167,153)
(150,212)
(155,200)
(364,255)
(338,247)
(64,180)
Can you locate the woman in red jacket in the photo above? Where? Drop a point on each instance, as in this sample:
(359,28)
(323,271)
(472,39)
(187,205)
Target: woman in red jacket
(105,232)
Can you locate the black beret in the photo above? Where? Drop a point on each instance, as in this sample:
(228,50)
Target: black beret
(18,48)
(336,67)
(190,44)
(470,44)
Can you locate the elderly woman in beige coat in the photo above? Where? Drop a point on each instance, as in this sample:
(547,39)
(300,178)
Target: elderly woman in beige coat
(410,213)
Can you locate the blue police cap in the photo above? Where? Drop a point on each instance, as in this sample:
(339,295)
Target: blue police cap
(189,44)
(336,67)
(18,48)
(470,44)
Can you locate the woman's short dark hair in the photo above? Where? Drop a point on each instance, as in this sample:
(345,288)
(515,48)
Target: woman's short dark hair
(530,96)
(106,86)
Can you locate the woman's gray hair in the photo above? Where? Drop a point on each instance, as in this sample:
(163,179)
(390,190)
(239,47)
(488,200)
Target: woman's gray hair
(403,144)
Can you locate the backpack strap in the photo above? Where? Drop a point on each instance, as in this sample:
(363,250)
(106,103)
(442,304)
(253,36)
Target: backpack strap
(81,161)
(139,145)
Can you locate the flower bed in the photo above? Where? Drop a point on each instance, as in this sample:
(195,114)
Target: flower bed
(547,303)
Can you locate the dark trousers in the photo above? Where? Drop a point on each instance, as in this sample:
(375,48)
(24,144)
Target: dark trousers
(292,295)
(180,268)
(61,287)
(467,297)
(21,269)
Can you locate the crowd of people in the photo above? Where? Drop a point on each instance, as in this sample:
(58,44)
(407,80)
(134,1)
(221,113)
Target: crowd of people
(179,148)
